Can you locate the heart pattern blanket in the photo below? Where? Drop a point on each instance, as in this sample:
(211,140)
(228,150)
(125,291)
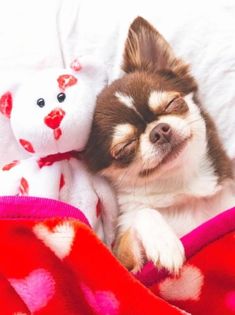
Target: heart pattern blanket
(52,263)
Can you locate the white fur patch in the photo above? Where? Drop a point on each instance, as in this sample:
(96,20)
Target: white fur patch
(122,131)
(60,239)
(125,100)
(157,98)
(148,150)
(187,287)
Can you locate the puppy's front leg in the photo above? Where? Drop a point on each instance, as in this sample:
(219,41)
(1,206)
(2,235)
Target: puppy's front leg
(144,235)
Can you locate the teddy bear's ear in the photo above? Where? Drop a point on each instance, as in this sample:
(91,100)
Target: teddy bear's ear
(92,70)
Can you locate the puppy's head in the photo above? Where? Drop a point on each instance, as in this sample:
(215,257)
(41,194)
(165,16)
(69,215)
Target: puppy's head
(147,124)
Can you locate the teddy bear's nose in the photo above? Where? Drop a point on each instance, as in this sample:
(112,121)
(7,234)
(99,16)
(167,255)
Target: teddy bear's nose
(54,118)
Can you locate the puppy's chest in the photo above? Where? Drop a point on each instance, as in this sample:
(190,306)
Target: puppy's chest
(182,211)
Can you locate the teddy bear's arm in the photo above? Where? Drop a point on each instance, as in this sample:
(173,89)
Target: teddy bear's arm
(109,209)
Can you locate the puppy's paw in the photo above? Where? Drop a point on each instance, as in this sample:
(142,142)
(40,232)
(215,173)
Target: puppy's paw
(165,251)
(149,239)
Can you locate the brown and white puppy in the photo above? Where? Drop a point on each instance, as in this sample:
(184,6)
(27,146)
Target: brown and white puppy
(160,149)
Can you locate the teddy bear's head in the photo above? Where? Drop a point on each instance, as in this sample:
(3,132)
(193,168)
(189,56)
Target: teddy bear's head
(51,111)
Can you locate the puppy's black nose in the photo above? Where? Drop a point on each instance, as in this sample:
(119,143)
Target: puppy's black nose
(161,134)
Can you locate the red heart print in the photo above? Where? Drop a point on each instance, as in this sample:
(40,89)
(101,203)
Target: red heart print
(66,80)
(6,104)
(24,187)
(27,145)
(98,208)
(9,166)
(75,65)
(62,181)
(57,133)
(54,118)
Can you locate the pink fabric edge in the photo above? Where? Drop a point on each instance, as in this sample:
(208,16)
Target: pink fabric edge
(15,207)
(193,242)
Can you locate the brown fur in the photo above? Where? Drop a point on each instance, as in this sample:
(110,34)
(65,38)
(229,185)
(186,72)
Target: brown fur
(221,162)
(122,250)
(150,65)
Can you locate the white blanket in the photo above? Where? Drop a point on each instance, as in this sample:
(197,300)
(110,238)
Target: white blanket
(36,34)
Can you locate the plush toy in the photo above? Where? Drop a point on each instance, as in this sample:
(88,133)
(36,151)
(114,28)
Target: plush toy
(50,115)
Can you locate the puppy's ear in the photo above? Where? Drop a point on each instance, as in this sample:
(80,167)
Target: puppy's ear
(146,49)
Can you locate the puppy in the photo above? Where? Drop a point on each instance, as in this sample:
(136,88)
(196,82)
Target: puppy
(160,150)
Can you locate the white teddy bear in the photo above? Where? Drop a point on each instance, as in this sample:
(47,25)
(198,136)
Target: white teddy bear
(50,116)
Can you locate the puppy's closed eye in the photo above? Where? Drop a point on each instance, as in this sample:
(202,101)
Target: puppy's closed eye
(176,106)
(167,102)
(123,150)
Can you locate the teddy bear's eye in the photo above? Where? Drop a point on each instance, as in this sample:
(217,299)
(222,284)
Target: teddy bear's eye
(41,102)
(61,97)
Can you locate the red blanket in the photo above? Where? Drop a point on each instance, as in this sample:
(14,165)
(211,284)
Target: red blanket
(206,285)
(52,263)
